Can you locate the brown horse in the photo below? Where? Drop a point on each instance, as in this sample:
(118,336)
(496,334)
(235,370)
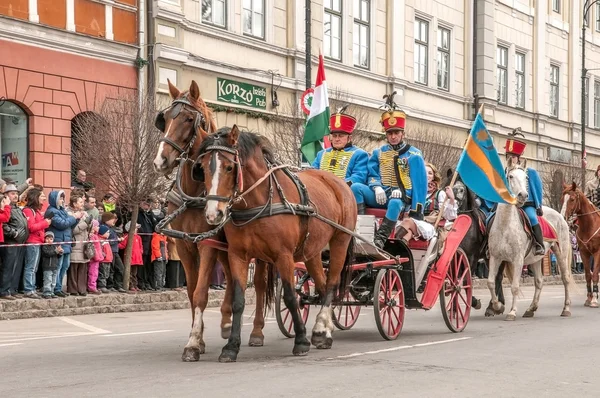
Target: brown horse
(186,118)
(244,181)
(577,207)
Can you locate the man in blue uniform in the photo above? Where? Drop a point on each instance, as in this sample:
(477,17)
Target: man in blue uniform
(397,177)
(343,159)
(533,207)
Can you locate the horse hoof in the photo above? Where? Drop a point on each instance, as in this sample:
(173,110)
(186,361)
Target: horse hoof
(476,304)
(566,313)
(321,341)
(192,354)
(228,356)
(528,314)
(301,349)
(593,305)
(256,341)
(510,317)
(225,332)
(489,312)
(499,311)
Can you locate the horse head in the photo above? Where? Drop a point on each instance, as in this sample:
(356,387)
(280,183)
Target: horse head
(573,200)
(518,180)
(187,118)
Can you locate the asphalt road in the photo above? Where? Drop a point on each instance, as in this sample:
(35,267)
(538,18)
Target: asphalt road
(138,354)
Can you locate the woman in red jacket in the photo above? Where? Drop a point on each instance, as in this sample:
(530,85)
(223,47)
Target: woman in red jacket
(4,214)
(37,224)
(136,255)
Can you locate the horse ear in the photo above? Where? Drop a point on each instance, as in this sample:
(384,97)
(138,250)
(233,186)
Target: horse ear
(194,90)
(173,91)
(233,136)
(573,186)
(449,173)
(524,163)
(509,163)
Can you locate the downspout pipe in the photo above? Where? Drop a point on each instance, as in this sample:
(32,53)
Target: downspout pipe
(142,56)
(150,46)
(475,95)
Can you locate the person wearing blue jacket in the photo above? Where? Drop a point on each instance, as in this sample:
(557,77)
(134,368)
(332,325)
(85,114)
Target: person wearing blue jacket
(343,158)
(533,207)
(397,178)
(61,226)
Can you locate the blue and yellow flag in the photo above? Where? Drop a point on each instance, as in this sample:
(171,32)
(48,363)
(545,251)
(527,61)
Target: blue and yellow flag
(480,167)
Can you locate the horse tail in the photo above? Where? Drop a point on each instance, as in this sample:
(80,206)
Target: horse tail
(346,274)
(270,287)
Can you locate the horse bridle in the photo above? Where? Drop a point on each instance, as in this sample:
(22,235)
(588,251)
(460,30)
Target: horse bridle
(215,150)
(174,110)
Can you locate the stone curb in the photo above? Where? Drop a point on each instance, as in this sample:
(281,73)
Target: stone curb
(106,303)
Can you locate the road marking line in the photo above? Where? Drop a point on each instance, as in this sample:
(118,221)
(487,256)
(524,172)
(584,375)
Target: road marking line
(135,333)
(10,344)
(402,347)
(82,325)
(48,337)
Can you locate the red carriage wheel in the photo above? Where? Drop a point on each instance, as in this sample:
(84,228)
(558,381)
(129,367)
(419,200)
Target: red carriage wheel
(345,316)
(456,293)
(282,314)
(388,303)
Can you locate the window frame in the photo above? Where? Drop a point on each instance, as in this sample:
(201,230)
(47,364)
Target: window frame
(444,51)
(555,89)
(520,73)
(359,22)
(252,12)
(212,22)
(556,6)
(425,44)
(597,103)
(333,14)
(25,116)
(502,77)
(586,95)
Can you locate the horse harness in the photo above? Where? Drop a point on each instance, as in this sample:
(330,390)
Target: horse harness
(575,215)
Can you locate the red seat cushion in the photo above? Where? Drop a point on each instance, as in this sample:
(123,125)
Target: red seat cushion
(418,244)
(379,213)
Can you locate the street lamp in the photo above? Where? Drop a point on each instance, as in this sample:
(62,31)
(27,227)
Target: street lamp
(586,8)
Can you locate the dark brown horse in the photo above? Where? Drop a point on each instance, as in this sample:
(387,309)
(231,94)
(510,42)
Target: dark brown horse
(577,207)
(244,181)
(186,119)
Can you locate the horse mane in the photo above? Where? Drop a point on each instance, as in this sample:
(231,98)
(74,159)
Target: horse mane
(247,144)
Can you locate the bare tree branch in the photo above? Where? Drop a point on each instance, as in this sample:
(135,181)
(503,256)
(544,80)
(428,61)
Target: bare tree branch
(555,174)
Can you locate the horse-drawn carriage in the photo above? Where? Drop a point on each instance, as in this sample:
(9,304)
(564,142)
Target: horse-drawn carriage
(400,277)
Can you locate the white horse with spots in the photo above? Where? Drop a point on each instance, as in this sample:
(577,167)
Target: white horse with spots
(507,241)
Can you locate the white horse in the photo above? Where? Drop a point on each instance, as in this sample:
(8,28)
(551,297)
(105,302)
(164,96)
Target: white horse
(507,241)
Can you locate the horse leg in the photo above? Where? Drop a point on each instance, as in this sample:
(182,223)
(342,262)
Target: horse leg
(195,345)
(517,266)
(585,258)
(595,277)
(495,307)
(499,279)
(188,255)
(564,260)
(228,298)
(340,249)
(538,281)
(475,302)
(239,279)
(257,338)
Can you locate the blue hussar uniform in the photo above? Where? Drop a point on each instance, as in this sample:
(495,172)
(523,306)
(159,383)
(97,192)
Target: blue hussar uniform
(533,206)
(397,175)
(350,162)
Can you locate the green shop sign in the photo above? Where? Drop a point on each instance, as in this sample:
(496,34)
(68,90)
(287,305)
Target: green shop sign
(241,93)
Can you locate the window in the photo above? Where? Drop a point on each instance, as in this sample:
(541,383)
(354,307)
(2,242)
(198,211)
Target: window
(254,18)
(554,91)
(597,104)
(502,64)
(360,49)
(213,12)
(586,100)
(13,142)
(443,59)
(332,29)
(598,17)
(520,80)
(556,5)
(421,47)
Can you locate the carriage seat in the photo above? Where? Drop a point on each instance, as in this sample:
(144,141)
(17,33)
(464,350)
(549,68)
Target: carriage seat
(372,211)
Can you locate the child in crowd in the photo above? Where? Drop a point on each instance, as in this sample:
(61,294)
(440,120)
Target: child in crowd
(114,281)
(104,270)
(136,254)
(95,261)
(50,255)
(159,260)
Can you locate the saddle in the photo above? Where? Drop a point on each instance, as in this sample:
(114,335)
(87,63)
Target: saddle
(548,231)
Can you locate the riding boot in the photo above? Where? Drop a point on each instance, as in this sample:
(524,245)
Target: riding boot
(384,231)
(539,245)
(361,208)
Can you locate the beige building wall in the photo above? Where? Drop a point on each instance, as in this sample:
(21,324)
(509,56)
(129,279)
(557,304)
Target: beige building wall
(194,46)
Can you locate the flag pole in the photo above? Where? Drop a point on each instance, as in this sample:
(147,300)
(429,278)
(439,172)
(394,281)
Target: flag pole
(453,180)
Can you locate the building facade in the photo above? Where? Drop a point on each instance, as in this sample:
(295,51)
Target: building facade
(58,59)
(521,58)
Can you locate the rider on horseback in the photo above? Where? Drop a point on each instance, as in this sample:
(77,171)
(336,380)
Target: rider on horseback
(397,177)
(533,207)
(343,158)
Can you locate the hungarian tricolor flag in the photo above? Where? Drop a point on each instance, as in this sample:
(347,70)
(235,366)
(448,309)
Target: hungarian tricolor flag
(317,123)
